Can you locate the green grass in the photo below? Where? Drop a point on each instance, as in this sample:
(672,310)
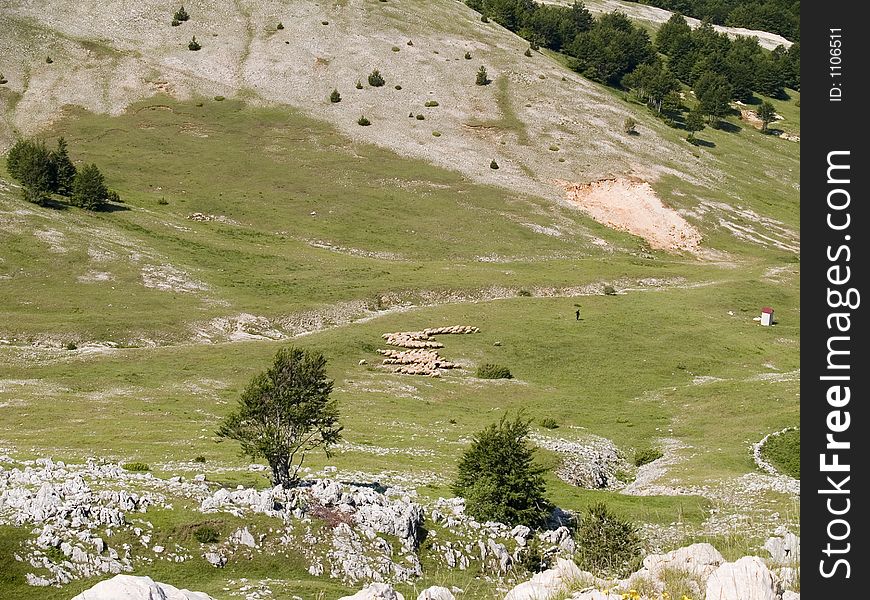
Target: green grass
(783,451)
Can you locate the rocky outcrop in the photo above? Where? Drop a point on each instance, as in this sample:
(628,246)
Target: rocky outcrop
(746,579)
(376,591)
(436,593)
(562,578)
(697,560)
(593,463)
(128,587)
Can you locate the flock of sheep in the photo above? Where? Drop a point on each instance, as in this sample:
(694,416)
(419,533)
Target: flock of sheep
(420,356)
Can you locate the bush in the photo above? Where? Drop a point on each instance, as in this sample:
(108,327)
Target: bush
(606,544)
(532,558)
(468,56)
(647,455)
(528,52)
(549,423)
(609,290)
(498,478)
(335,97)
(524,293)
(484,19)
(71,346)
(436,134)
(420,117)
(430,103)
(280,25)
(363,121)
(493,165)
(398,87)
(193,45)
(199,459)
(163,201)
(395,48)
(206,534)
(181,15)
(219,98)
(359,84)
(482,78)
(629,125)
(3,79)
(49,60)
(554,148)
(376,79)
(176,22)
(491,371)
(136,467)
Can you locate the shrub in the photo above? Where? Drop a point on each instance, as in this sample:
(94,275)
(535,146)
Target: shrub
(163,201)
(484,19)
(359,84)
(206,534)
(398,87)
(176,22)
(324,22)
(532,558)
(136,467)
(219,98)
(609,290)
(549,423)
(199,459)
(554,148)
(395,48)
(376,79)
(528,52)
(193,45)
(498,478)
(113,196)
(524,293)
(468,56)
(48,60)
(181,15)
(629,125)
(71,346)
(430,103)
(280,25)
(647,455)
(482,78)
(491,371)
(607,544)
(3,79)
(493,165)
(436,134)
(420,117)
(363,121)
(335,97)
(410,43)
(452,421)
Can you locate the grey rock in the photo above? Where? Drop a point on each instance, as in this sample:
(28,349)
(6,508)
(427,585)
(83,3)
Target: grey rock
(746,579)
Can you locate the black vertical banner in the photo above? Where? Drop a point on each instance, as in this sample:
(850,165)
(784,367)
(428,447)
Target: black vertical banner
(834,345)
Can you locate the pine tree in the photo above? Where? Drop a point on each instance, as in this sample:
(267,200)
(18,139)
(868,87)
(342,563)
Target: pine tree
(89,188)
(193,45)
(29,162)
(64,169)
(335,97)
(482,77)
(766,112)
(694,122)
(376,79)
(181,15)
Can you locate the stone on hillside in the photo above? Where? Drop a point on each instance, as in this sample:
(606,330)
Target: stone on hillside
(436,593)
(243,537)
(700,560)
(785,550)
(215,559)
(376,591)
(128,587)
(746,579)
(550,583)
(789,595)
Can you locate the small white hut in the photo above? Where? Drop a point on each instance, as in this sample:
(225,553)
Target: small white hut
(767,316)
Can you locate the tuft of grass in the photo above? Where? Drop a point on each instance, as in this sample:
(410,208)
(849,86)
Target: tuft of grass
(136,467)
(647,455)
(492,371)
(363,121)
(783,451)
(549,423)
(206,534)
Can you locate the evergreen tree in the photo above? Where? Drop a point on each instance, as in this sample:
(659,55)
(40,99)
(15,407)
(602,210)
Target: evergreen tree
(64,169)
(335,97)
(89,188)
(766,112)
(498,478)
(29,162)
(482,78)
(713,93)
(694,122)
(181,15)
(376,79)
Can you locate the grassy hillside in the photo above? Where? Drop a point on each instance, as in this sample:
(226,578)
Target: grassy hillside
(128,334)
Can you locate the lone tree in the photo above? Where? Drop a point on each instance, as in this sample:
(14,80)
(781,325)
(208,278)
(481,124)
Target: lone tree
(335,97)
(629,126)
(193,45)
(694,122)
(181,15)
(64,169)
(766,112)
(482,78)
(284,413)
(498,478)
(89,189)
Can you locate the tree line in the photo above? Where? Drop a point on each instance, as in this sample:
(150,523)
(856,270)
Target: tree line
(613,50)
(43,172)
(776,16)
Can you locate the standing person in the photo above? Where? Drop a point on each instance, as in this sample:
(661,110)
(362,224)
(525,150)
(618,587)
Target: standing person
(577,314)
